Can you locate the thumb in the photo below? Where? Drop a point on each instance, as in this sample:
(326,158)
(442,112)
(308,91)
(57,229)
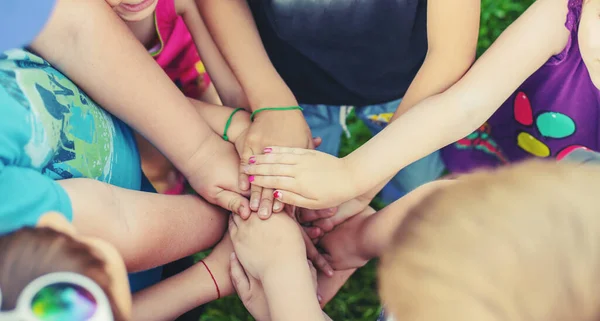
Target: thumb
(233,202)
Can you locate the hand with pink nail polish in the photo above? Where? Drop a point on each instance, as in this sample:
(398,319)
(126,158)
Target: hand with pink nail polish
(279,128)
(307,178)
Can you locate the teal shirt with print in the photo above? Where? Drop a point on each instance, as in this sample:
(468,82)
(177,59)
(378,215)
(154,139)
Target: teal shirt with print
(51,130)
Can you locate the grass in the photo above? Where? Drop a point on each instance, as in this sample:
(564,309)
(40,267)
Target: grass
(358,299)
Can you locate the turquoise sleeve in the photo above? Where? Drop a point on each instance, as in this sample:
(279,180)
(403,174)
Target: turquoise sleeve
(26,195)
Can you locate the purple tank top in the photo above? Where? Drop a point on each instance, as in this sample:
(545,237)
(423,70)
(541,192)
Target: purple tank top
(553,112)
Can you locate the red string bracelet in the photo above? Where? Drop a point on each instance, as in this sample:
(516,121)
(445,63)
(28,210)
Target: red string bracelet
(214,280)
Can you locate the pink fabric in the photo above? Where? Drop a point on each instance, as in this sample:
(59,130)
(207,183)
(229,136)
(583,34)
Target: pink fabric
(177,54)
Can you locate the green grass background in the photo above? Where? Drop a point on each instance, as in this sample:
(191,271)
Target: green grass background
(358,299)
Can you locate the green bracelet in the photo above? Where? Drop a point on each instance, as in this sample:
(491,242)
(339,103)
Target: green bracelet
(274,108)
(228,123)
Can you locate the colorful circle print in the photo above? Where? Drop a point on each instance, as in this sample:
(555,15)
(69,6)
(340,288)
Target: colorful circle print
(550,124)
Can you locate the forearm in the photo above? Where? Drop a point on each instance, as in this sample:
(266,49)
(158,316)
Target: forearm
(240,44)
(433,124)
(138,223)
(91,45)
(289,291)
(186,290)
(438,73)
(329,286)
(217,116)
(379,229)
(229,89)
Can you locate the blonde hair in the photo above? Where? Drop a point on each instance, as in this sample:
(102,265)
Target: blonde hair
(29,253)
(519,243)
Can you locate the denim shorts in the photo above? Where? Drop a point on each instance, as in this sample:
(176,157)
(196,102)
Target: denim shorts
(329,123)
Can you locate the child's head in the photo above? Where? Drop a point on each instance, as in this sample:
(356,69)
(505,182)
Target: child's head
(133,10)
(53,246)
(519,243)
(589,38)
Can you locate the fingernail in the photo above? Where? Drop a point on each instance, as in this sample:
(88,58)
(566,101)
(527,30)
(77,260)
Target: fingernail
(232,256)
(277,206)
(252,160)
(267,150)
(277,195)
(251,178)
(263,212)
(254,204)
(320,298)
(330,272)
(246,169)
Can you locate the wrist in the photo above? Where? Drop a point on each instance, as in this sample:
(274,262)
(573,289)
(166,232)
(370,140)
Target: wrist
(204,151)
(365,248)
(239,123)
(354,175)
(269,99)
(284,268)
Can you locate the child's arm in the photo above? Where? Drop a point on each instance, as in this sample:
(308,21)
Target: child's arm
(87,41)
(189,289)
(217,116)
(452,30)
(148,229)
(229,89)
(364,237)
(317,180)
(234,31)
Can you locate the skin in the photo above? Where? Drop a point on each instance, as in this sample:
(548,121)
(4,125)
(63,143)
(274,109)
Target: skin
(311,179)
(452,37)
(88,32)
(281,268)
(195,282)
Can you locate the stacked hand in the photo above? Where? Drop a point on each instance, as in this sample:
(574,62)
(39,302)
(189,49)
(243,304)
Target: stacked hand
(270,128)
(304,177)
(212,173)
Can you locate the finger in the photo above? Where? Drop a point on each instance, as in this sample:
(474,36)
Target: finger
(313,232)
(233,229)
(255,193)
(270,170)
(278,206)
(291,198)
(317,141)
(244,184)
(266,204)
(284,150)
(286,159)
(326,225)
(313,271)
(307,216)
(275,182)
(233,202)
(313,254)
(237,220)
(240,280)
(245,160)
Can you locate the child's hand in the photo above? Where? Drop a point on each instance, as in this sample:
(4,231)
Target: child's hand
(261,245)
(325,220)
(279,128)
(213,173)
(305,178)
(251,292)
(343,246)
